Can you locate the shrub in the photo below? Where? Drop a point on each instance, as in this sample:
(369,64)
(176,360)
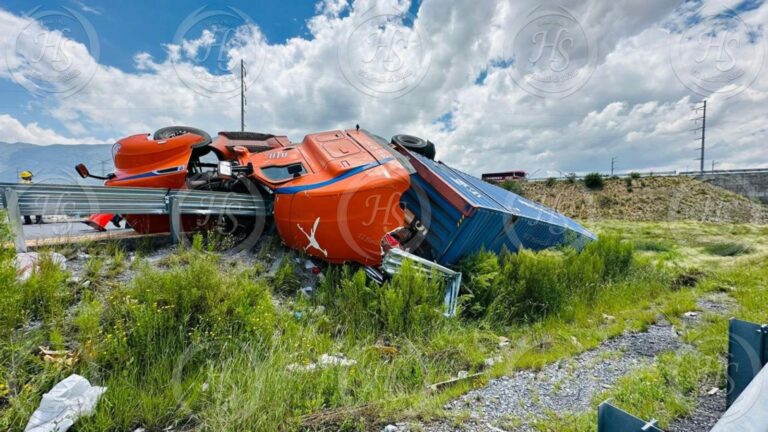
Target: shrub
(410,304)
(634,175)
(513,186)
(480,275)
(533,288)
(593,180)
(529,286)
(571,178)
(550,182)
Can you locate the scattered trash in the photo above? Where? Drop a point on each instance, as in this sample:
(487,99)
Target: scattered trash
(492,361)
(325,360)
(309,265)
(307,290)
(390,428)
(59,357)
(462,374)
(606,386)
(27,262)
(691,314)
(504,342)
(713,391)
(67,401)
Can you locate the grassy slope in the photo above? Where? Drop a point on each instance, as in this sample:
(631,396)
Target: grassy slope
(651,199)
(199,344)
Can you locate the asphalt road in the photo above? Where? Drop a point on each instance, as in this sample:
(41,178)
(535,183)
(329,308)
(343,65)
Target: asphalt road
(63,229)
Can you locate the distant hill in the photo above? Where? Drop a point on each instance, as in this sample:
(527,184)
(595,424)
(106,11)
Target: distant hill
(648,199)
(52,163)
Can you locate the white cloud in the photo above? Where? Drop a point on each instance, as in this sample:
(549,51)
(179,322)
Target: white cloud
(634,106)
(32,133)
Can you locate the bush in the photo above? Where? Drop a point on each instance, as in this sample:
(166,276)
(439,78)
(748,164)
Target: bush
(571,178)
(593,180)
(550,182)
(634,175)
(409,305)
(529,286)
(513,186)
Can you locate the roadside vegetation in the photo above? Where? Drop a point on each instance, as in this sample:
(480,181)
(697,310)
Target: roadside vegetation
(196,342)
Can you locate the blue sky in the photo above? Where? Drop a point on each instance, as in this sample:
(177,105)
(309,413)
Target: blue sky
(476,77)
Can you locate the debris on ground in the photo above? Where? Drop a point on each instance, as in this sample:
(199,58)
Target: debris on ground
(27,263)
(324,361)
(58,357)
(67,401)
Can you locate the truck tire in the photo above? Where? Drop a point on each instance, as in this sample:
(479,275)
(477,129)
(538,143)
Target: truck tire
(172,131)
(416,145)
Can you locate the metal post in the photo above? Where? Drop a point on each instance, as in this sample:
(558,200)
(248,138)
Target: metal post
(14,219)
(242,96)
(174,214)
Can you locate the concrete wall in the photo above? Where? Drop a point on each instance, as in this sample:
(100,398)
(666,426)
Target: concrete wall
(752,185)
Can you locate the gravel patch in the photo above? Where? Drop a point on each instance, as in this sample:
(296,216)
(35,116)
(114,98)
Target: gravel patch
(708,410)
(562,387)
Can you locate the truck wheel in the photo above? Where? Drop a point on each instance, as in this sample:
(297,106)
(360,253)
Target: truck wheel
(416,145)
(172,131)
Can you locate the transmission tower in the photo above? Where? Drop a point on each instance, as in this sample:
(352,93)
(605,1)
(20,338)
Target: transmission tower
(703,129)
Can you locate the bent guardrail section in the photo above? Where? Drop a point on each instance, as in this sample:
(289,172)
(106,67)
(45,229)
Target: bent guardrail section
(78,200)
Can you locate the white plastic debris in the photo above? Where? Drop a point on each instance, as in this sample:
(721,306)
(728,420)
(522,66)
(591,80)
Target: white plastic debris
(67,401)
(325,360)
(27,262)
(309,265)
(691,314)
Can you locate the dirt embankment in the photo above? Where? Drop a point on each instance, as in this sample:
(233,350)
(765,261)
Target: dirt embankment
(648,199)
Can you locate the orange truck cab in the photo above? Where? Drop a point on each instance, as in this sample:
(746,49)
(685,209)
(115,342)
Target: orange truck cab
(336,194)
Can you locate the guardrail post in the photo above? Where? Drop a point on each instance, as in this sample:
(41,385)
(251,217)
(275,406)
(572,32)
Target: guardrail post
(172,203)
(612,419)
(14,219)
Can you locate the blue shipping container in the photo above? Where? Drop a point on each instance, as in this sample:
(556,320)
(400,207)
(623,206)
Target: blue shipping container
(464,214)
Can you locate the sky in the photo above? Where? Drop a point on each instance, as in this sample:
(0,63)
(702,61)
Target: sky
(562,87)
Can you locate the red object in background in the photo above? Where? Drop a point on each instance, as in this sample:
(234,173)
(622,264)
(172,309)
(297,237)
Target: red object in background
(501,177)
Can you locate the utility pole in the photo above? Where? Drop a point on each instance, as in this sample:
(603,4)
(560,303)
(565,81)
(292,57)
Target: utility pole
(242,96)
(713,164)
(703,129)
(613,163)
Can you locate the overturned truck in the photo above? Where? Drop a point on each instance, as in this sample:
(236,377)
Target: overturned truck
(340,196)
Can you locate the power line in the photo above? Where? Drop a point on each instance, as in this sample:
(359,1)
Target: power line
(703,129)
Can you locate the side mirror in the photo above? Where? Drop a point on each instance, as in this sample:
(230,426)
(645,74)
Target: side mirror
(82,170)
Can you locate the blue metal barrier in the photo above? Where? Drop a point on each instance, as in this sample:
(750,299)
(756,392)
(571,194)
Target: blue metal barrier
(612,419)
(747,354)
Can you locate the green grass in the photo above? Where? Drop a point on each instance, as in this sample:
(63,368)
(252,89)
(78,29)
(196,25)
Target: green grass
(191,343)
(728,249)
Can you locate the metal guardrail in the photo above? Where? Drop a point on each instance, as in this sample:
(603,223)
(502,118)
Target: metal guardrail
(78,200)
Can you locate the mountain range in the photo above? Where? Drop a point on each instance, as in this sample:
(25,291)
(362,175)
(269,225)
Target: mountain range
(53,163)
